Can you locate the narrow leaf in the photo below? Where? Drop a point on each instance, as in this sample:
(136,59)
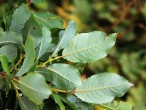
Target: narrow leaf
(19,18)
(10,51)
(89,47)
(58,101)
(5,64)
(29,57)
(49,20)
(34,87)
(26,104)
(11,37)
(102,88)
(66,36)
(45,41)
(62,75)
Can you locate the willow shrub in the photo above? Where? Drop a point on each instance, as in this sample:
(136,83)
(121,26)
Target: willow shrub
(40,61)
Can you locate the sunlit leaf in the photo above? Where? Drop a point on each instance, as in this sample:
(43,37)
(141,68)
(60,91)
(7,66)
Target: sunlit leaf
(102,88)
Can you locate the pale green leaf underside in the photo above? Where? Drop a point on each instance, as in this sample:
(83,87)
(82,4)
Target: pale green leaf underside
(67,36)
(10,51)
(11,37)
(29,57)
(19,18)
(49,20)
(89,47)
(34,87)
(26,104)
(102,88)
(45,41)
(63,76)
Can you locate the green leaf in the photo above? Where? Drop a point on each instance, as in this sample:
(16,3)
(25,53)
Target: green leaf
(10,51)
(79,103)
(29,57)
(26,104)
(19,18)
(45,41)
(11,37)
(34,29)
(58,101)
(102,88)
(5,64)
(63,76)
(120,105)
(34,87)
(38,1)
(49,20)
(66,36)
(64,99)
(89,47)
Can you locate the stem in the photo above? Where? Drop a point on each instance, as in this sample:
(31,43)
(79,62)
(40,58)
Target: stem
(58,90)
(16,90)
(20,60)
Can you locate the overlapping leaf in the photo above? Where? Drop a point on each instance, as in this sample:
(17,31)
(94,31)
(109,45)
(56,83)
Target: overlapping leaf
(11,37)
(19,18)
(26,104)
(66,37)
(89,47)
(10,51)
(34,87)
(58,101)
(29,57)
(32,28)
(63,76)
(45,41)
(102,88)
(49,20)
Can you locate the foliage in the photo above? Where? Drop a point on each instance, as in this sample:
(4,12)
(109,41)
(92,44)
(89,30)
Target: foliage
(42,64)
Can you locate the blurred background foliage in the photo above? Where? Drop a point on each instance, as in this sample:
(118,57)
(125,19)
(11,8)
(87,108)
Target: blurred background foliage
(127,17)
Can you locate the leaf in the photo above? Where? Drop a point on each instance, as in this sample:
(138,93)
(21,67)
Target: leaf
(11,37)
(64,99)
(26,104)
(120,105)
(45,41)
(10,51)
(49,20)
(34,29)
(79,103)
(66,36)
(102,88)
(19,18)
(34,87)
(89,47)
(58,101)
(5,64)
(62,75)
(29,57)
(38,1)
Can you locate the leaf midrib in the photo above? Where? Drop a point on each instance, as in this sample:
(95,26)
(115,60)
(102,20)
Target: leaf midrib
(85,48)
(43,20)
(30,87)
(100,88)
(60,75)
